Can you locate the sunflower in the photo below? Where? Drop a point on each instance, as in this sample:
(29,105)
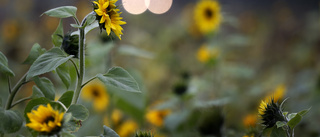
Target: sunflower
(95,91)
(250,120)
(127,128)
(109,16)
(156,117)
(205,54)
(45,119)
(207,16)
(270,112)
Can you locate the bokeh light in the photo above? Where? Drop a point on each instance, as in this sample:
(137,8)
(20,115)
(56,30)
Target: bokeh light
(134,6)
(159,6)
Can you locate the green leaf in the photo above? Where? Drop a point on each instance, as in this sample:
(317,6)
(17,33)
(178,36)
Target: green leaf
(78,111)
(285,113)
(304,112)
(36,92)
(62,12)
(90,19)
(131,50)
(292,115)
(73,125)
(108,132)
(11,121)
(294,121)
(277,132)
(4,65)
(67,134)
(47,62)
(57,36)
(280,124)
(35,52)
(63,72)
(76,26)
(66,98)
(119,78)
(41,101)
(46,87)
(88,28)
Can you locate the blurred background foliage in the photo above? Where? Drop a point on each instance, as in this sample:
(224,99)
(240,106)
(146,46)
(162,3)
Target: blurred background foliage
(193,84)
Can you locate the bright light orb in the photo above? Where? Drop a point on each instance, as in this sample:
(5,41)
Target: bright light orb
(159,6)
(135,6)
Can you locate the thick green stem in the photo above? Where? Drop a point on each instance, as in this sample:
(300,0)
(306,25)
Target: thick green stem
(81,61)
(15,90)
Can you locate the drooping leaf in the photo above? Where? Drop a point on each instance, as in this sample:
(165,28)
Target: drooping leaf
(66,98)
(11,121)
(63,72)
(78,111)
(46,87)
(36,92)
(62,12)
(47,62)
(119,78)
(294,121)
(35,52)
(57,36)
(4,65)
(304,112)
(108,132)
(280,124)
(90,19)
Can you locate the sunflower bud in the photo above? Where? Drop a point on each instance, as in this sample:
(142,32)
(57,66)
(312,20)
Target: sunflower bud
(270,112)
(70,44)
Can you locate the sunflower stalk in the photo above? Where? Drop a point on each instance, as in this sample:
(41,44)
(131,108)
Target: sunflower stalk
(81,60)
(15,89)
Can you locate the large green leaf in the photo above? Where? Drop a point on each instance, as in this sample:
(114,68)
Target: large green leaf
(36,92)
(78,111)
(46,87)
(57,35)
(11,121)
(4,65)
(88,28)
(277,132)
(67,134)
(294,121)
(47,62)
(280,124)
(66,98)
(35,52)
(62,12)
(108,132)
(119,78)
(63,72)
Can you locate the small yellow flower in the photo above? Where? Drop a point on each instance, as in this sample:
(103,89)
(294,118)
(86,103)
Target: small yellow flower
(95,91)
(45,119)
(127,129)
(205,54)
(156,117)
(207,16)
(10,30)
(116,116)
(250,120)
(109,16)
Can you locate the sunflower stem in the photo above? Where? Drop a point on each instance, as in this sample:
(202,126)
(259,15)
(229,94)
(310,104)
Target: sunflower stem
(81,61)
(15,90)
(88,81)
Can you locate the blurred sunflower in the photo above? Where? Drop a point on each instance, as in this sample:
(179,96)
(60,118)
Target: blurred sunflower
(95,91)
(128,128)
(45,120)
(10,30)
(250,120)
(156,117)
(116,116)
(270,112)
(109,16)
(277,94)
(207,16)
(205,54)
